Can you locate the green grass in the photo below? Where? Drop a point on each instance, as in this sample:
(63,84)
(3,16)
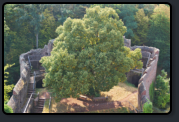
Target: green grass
(46,106)
(129,84)
(114,110)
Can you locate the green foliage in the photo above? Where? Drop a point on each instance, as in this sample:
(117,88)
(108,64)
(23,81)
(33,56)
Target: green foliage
(6,31)
(7,109)
(127,15)
(148,8)
(47,31)
(160,27)
(32,13)
(89,53)
(148,107)
(62,11)
(151,91)
(19,40)
(162,95)
(140,33)
(116,7)
(7,88)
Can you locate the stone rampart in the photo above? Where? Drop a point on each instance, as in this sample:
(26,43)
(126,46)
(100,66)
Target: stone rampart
(148,76)
(19,97)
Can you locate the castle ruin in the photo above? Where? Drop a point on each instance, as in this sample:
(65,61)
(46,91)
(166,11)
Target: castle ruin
(139,77)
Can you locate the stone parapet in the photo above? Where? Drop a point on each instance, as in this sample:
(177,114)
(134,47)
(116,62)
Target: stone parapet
(148,76)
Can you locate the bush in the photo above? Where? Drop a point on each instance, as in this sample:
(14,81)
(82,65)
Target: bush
(162,95)
(7,109)
(148,107)
(151,91)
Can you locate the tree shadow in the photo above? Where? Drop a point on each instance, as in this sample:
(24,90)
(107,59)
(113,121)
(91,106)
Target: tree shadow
(63,107)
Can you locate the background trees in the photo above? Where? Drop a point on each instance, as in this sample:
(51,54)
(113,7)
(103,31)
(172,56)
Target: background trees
(47,31)
(127,15)
(140,33)
(7,88)
(89,55)
(33,13)
(159,35)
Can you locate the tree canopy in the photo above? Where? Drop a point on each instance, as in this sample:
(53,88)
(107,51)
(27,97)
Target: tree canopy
(89,55)
(159,35)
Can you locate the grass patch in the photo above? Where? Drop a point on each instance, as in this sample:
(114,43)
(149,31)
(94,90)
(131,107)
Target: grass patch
(114,110)
(119,92)
(46,106)
(129,84)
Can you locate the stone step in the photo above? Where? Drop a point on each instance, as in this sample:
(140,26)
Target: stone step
(39,107)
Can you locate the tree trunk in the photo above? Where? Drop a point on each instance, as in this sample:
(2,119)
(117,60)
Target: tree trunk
(36,40)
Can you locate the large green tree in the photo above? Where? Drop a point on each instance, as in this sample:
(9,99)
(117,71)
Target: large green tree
(33,13)
(89,55)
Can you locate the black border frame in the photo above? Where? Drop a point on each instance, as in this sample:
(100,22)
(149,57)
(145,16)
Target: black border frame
(94,113)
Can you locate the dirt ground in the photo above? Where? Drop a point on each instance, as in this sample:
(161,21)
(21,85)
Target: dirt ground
(118,96)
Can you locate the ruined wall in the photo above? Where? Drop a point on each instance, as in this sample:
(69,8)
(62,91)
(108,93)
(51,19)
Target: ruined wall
(148,76)
(20,90)
(127,42)
(18,99)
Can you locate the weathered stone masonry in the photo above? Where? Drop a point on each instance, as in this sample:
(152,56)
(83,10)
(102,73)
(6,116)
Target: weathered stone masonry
(18,99)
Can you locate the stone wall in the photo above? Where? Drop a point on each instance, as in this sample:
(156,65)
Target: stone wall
(127,42)
(19,97)
(133,77)
(20,90)
(148,76)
